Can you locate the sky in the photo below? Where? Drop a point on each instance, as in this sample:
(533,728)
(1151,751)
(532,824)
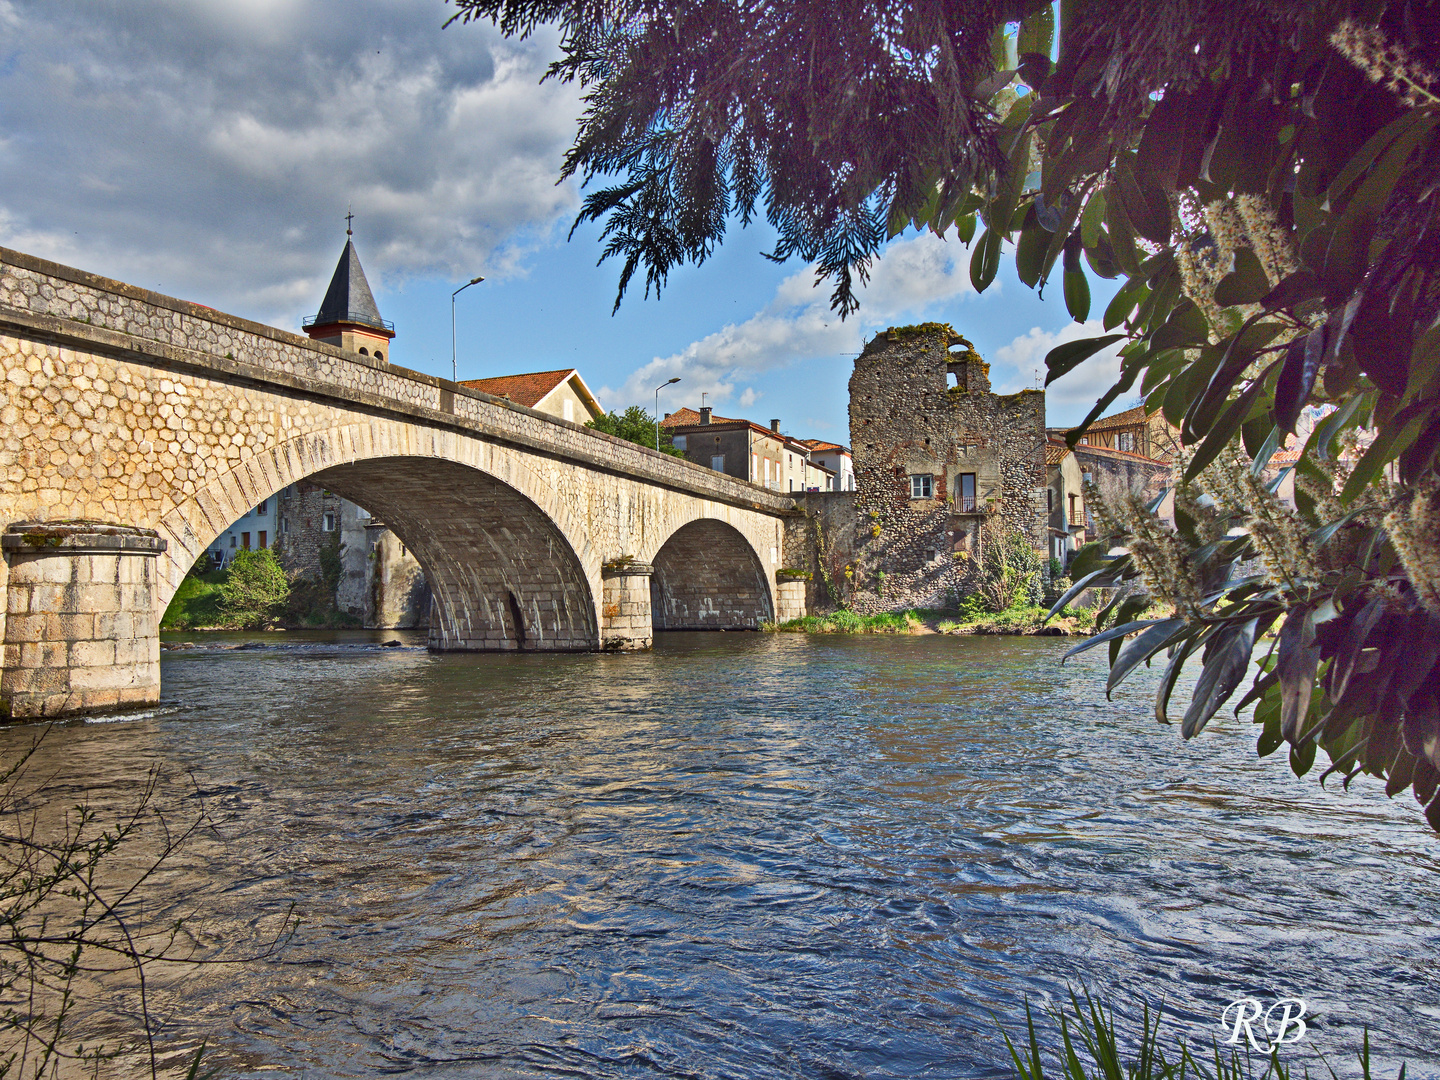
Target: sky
(210,149)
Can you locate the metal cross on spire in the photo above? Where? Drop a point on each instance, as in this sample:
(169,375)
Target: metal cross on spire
(349,217)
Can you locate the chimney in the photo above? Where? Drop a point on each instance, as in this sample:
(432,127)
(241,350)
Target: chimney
(705,415)
(775,426)
(668,415)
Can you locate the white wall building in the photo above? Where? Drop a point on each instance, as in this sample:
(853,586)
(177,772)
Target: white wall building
(255,529)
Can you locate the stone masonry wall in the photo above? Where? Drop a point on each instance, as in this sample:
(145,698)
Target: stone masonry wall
(921,404)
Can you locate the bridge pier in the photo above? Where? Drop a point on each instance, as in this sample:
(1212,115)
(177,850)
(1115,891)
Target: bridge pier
(789,596)
(81,628)
(625,620)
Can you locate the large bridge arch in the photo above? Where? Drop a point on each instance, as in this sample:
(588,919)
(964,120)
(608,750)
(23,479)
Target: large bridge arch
(508,565)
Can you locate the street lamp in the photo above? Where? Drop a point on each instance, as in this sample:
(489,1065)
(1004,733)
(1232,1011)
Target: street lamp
(454,366)
(657,409)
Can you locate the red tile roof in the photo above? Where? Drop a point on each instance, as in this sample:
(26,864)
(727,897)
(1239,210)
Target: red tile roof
(687,417)
(527,390)
(822,446)
(1056,451)
(1128,418)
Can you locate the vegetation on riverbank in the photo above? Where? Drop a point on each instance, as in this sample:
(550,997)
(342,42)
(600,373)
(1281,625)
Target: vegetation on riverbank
(254,593)
(1019,620)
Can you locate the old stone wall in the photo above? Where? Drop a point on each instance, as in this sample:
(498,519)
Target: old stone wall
(921,406)
(300,518)
(399,594)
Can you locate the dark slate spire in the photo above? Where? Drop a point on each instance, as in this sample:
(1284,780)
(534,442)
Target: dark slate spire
(349,298)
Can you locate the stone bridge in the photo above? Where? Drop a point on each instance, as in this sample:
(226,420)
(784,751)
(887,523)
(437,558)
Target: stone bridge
(134,428)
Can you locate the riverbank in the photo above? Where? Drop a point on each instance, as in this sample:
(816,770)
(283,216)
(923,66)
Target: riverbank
(1021,622)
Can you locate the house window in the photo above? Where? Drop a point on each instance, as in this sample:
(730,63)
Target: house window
(1050,500)
(1073,519)
(1084,440)
(965,492)
(263,538)
(245,540)
(570,411)
(232,540)
(282,526)
(263,507)
(717,462)
(1125,441)
(754,467)
(678,442)
(328,522)
(920,485)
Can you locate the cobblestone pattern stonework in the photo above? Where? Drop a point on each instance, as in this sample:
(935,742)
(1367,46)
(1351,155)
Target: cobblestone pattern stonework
(122,406)
(921,405)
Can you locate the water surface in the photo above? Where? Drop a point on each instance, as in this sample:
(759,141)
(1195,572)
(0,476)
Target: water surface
(745,855)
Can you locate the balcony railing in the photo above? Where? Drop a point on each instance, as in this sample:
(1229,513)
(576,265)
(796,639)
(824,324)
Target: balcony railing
(966,504)
(351,317)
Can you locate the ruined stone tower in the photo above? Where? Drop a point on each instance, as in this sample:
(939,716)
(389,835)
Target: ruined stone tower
(937,456)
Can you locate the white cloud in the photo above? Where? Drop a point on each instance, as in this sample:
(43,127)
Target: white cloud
(748,397)
(797,324)
(1070,397)
(213,147)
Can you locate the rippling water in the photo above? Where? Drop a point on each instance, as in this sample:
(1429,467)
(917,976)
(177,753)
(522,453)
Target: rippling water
(748,856)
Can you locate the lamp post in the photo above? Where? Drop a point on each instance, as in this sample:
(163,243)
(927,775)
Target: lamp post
(454,365)
(657,409)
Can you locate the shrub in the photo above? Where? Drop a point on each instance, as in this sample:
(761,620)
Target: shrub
(254,589)
(1009,568)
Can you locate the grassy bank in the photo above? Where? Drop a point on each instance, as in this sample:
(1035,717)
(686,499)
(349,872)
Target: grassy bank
(196,603)
(1020,620)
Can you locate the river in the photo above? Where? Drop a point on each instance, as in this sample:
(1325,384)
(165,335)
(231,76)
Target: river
(743,855)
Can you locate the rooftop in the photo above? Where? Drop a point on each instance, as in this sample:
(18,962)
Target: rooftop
(528,389)
(349,299)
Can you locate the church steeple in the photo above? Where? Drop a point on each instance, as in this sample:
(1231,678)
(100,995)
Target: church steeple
(348,315)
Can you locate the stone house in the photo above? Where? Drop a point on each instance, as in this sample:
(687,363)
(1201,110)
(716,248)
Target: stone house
(835,458)
(938,457)
(1134,431)
(745,449)
(1064,500)
(561,393)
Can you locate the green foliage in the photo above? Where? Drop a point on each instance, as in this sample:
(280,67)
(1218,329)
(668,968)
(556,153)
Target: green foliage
(1009,569)
(845,621)
(254,589)
(195,603)
(635,425)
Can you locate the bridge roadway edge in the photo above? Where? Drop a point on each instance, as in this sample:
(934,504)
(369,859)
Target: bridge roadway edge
(64,324)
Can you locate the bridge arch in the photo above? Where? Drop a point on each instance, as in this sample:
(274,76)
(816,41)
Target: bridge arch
(507,564)
(709,576)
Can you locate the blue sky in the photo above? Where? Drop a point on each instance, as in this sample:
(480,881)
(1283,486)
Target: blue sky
(210,150)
